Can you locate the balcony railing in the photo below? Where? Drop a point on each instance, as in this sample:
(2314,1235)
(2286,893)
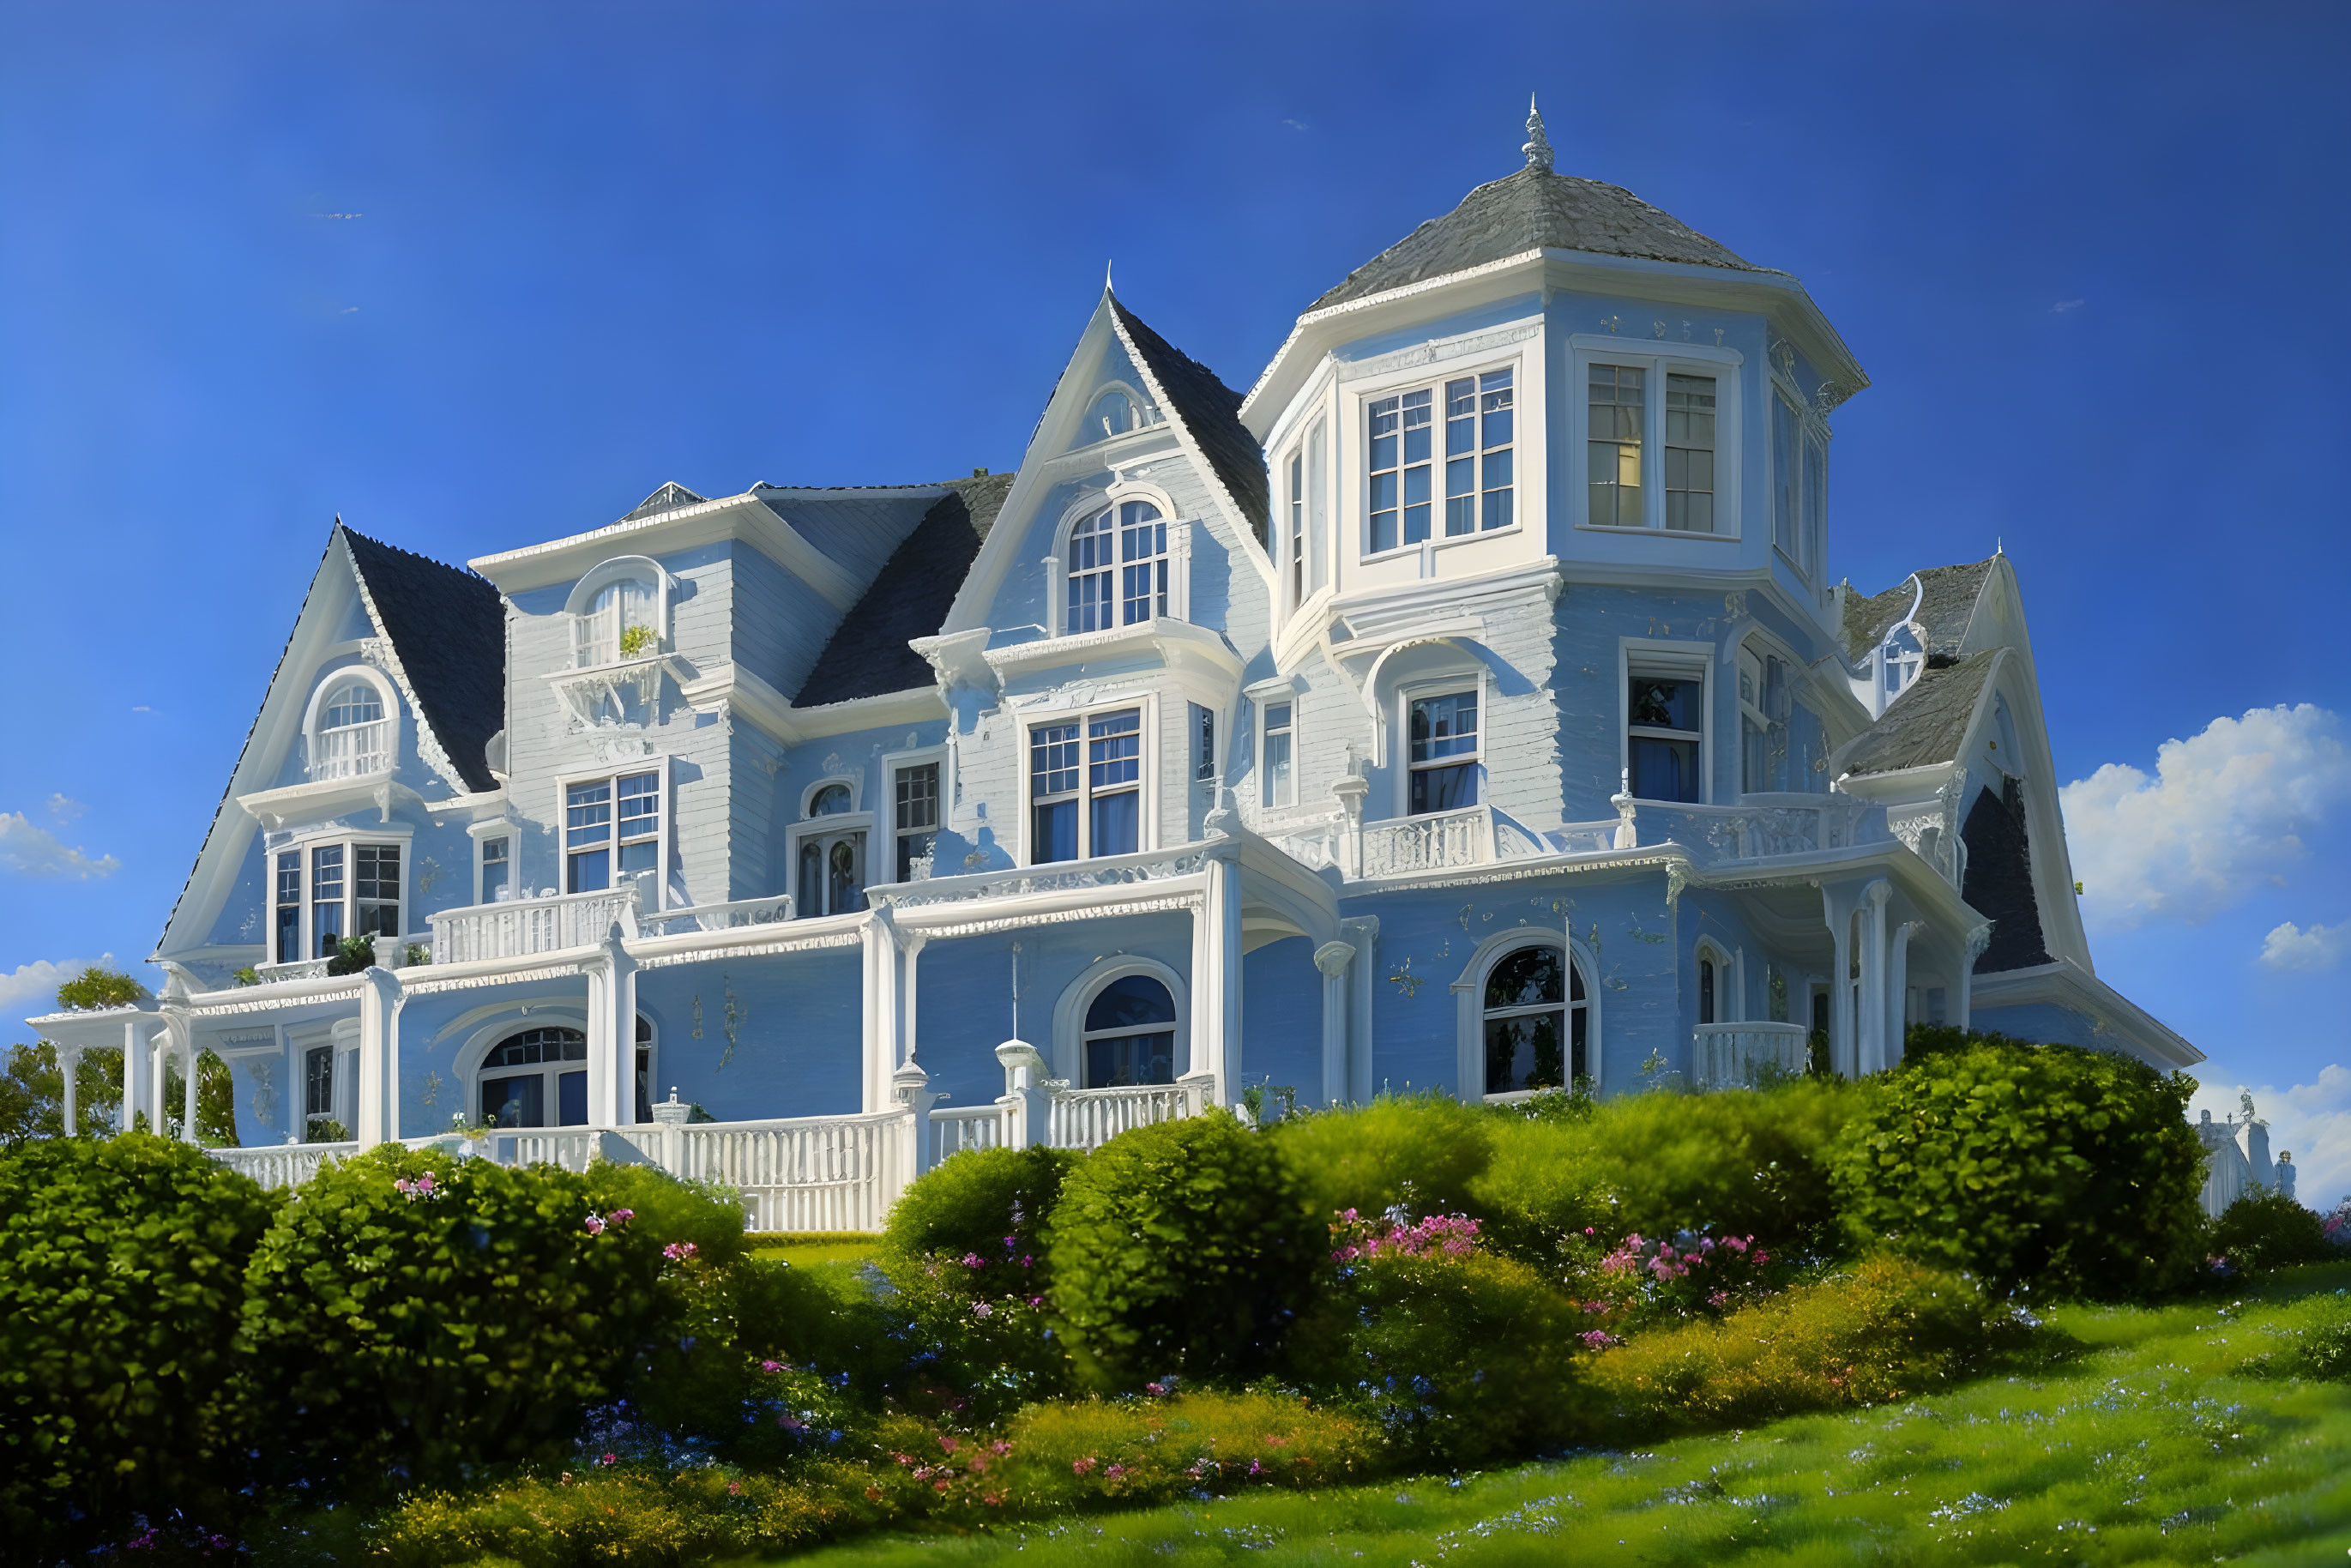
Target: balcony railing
(1731,1055)
(1760,827)
(352,751)
(1437,842)
(730,917)
(1088,1118)
(529,926)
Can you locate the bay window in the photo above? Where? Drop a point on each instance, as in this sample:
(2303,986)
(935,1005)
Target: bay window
(325,891)
(1800,461)
(1660,435)
(1480,478)
(1085,787)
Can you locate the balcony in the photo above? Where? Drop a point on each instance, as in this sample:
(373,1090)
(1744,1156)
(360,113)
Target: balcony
(1735,1055)
(731,916)
(354,751)
(1760,827)
(1443,840)
(530,925)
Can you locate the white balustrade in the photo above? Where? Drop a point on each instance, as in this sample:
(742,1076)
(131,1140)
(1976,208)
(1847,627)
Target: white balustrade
(283,1164)
(1729,1055)
(1088,1118)
(1760,827)
(728,916)
(352,751)
(1439,842)
(299,969)
(528,926)
(814,1173)
(967,1127)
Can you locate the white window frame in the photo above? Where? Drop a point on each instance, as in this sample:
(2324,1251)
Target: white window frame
(1263,703)
(1139,414)
(1526,436)
(581,605)
(483,834)
(1147,766)
(666,788)
(1659,358)
(314,714)
(466,1061)
(861,818)
(1178,558)
(1070,1012)
(1808,497)
(894,764)
(394,836)
(1674,659)
(1469,1012)
(1438,685)
(1729,989)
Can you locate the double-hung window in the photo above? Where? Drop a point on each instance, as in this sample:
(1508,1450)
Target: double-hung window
(1280,783)
(1085,787)
(916,809)
(1615,417)
(1297,529)
(1654,430)
(1762,721)
(1800,462)
(326,925)
(317,1092)
(289,907)
(1480,478)
(1204,744)
(497,869)
(375,889)
(1442,745)
(611,828)
(1117,568)
(1665,739)
(347,889)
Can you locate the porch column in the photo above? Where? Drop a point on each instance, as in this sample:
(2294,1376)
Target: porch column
(70,1064)
(611,1033)
(130,1073)
(159,1094)
(1897,990)
(378,1110)
(1199,1050)
(1978,940)
(1839,910)
(1360,934)
(1227,882)
(186,1041)
(1872,1054)
(1333,959)
(882,998)
(911,948)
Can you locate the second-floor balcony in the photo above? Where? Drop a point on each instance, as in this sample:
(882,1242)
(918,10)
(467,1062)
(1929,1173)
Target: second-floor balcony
(518,928)
(353,751)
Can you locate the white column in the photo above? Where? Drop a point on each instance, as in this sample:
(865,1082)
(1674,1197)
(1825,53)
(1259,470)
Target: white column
(912,948)
(1872,1053)
(376,1112)
(1333,959)
(881,971)
(130,1072)
(1228,978)
(611,1033)
(187,1084)
(159,1093)
(70,1064)
(1200,1052)
(1897,990)
(1840,918)
(1978,940)
(1360,934)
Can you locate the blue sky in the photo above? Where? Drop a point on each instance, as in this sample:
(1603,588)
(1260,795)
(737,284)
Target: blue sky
(476,276)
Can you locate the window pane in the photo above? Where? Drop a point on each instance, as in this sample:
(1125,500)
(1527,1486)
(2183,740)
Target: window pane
(319,1081)
(1204,744)
(918,796)
(356,701)
(1115,749)
(1661,703)
(1277,767)
(1053,759)
(1690,452)
(1129,1002)
(1784,479)
(1444,726)
(810,898)
(1460,421)
(1444,789)
(589,872)
(1616,408)
(1664,769)
(1055,832)
(1416,427)
(571,1099)
(1133,1058)
(845,874)
(515,1102)
(1524,1053)
(1527,977)
(588,813)
(1460,498)
(1116,824)
(1496,411)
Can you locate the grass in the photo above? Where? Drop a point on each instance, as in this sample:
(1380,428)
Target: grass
(2152,1441)
(815,1247)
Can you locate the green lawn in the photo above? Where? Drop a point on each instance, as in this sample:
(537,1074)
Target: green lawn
(823,1247)
(2153,1444)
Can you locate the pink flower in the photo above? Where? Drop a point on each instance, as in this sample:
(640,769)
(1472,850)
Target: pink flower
(1036,1301)
(1599,1339)
(618,1216)
(771,1366)
(595,1224)
(1082,1467)
(948,1444)
(1113,1473)
(1255,1469)
(999,1448)
(973,1260)
(609,1459)
(680,1251)
(1155,1389)
(982,1311)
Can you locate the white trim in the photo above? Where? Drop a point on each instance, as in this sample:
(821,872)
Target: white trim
(1658,358)
(1261,696)
(664,859)
(1681,660)
(1090,504)
(1476,358)
(809,795)
(1070,1012)
(747,516)
(894,763)
(399,834)
(1729,999)
(1469,1008)
(835,825)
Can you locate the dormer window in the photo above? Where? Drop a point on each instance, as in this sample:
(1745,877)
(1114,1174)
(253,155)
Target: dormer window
(352,737)
(620,625)
(1118,568)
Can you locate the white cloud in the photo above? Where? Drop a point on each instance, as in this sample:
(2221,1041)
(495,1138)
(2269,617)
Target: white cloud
(2065,307)
(2291,946)
(2311,1120)
(32,988)
(31,850)
(2223,813)
(65,808)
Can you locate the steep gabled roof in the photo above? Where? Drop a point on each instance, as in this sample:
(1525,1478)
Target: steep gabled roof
(668,498)
(908,598)
(1945,609)
(1208,408)
(448,629)
(1534,209)
(1926,724)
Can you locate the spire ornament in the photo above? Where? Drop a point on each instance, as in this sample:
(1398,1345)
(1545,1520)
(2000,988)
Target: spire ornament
(1538,147)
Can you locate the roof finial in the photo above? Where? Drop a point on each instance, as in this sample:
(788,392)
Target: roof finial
(1538,147)
(1106,277)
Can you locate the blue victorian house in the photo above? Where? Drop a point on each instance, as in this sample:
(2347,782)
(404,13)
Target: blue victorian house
(1469,705)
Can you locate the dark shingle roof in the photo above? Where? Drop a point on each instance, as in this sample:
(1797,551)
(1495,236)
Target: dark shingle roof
(1211,412)
(1945,610)
(668,498)
(1999,883)
(1929,723)
(908,598)
(448,629)
(1533,209)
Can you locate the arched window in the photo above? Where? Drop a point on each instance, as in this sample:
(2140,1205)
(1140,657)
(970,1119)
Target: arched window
(1129,1034)
(831,869)
(515,1074)
(352,737)
(1534,1013)
(1118,568)
(623,620)
(1706,981)
(1112,414)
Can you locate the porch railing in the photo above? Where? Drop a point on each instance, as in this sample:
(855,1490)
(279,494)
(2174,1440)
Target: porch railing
(967,1127)
(528,926)
(810,1173)
(1731,1055)
(1088,1118)
(283,1164)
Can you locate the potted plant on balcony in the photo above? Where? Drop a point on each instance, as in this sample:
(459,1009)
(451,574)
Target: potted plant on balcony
(636,642)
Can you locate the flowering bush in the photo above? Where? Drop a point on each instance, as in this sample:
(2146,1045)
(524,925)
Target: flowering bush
(1644,1281)
(2266,1229)
(989,1208)
(2335,1226)
(975,1357)
(1398,1234)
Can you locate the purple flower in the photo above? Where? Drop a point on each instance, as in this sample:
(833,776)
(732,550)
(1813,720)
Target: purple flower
(595,1224)
(973,1260)
(982,1310)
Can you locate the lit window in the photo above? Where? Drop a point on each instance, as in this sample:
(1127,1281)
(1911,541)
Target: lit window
(1618,409)
(1118,568)
(1280,788)
(1399,469)
(1443,741)
(917,817)
(1085,790)
(1479,430)
(1129,1034)
(289,907)
(1690,453)
(353,739)
(496,867)
(593,838)
(622,622)
(1665,735)
(1534,1015)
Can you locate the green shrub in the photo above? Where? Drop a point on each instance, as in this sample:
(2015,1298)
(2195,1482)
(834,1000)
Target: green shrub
(823,1317)
(1889,1330)
(2266,1229)
(1422,1151)
(1180,1248)
(1544,1185)
(122,1276)
(2039,1166)
(990,1203)
(415,1330)
(1460,1359)
(665,1209)
(1746,1161)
